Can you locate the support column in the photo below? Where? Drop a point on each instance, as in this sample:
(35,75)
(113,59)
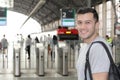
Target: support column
(89,3)
(104,18)
(112,22)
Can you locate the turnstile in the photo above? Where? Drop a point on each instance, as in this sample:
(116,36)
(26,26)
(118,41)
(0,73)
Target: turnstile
(16,60)
(40,59)
(62,61)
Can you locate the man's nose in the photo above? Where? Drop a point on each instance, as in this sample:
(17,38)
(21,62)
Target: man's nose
(81,26)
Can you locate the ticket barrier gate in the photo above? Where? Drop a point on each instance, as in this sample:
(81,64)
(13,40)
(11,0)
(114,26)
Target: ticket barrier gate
(62,61)
(40,59)
(16,60)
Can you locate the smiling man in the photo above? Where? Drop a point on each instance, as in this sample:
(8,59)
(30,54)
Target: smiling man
(87,23)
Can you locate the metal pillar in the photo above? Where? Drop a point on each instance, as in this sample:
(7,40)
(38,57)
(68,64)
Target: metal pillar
(16,60)
(62,60)
(40,59)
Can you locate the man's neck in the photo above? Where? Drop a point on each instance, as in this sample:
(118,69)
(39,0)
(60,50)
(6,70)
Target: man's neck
(91,39)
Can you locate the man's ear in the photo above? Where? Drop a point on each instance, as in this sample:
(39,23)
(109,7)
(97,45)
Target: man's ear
(97,25)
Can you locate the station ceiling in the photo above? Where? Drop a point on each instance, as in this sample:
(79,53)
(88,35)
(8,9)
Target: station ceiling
(46,11)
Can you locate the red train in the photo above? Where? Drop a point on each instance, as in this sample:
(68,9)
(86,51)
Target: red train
(67,34)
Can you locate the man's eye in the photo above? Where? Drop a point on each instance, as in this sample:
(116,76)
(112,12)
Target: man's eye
(79,22)
(87,22)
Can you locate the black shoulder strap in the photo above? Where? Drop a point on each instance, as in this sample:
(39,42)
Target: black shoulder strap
(107,50)
(87,64)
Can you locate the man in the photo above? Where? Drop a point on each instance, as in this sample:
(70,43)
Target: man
(87,23)
(55,44)
(109,40)
(4,43)
(28,45)
(49,40)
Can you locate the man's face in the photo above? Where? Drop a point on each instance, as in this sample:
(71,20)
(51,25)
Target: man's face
(86,25)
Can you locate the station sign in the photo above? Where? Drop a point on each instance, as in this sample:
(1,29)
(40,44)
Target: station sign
(68,17)
(3,16)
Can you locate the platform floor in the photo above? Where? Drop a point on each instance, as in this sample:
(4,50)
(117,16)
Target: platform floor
(28,67)
(48,76)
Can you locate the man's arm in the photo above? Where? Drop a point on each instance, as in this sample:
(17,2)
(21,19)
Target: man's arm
(100,76)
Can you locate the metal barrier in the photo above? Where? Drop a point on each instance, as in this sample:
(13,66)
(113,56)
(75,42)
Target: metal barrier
(65,61)
(40,59)
(4,58)
(16,60)
(62,60)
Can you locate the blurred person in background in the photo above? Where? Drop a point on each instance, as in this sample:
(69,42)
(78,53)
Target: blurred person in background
(4,44)
(28,45)
(109,40)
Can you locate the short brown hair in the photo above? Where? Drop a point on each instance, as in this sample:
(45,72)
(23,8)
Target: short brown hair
(84,10)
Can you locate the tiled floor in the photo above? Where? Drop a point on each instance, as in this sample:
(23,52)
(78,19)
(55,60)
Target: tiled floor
(49,75)
(41,78)
(28,68)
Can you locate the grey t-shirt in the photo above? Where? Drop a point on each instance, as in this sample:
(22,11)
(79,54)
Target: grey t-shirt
(99,60)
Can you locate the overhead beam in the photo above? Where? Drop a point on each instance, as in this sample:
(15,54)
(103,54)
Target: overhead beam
(38,6)
(58,4)
(114,8)
(56,12)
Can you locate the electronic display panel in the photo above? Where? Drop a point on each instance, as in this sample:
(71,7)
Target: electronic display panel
(3,16)
(68,17)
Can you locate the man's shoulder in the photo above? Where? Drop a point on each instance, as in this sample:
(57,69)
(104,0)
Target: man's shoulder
(3,39)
